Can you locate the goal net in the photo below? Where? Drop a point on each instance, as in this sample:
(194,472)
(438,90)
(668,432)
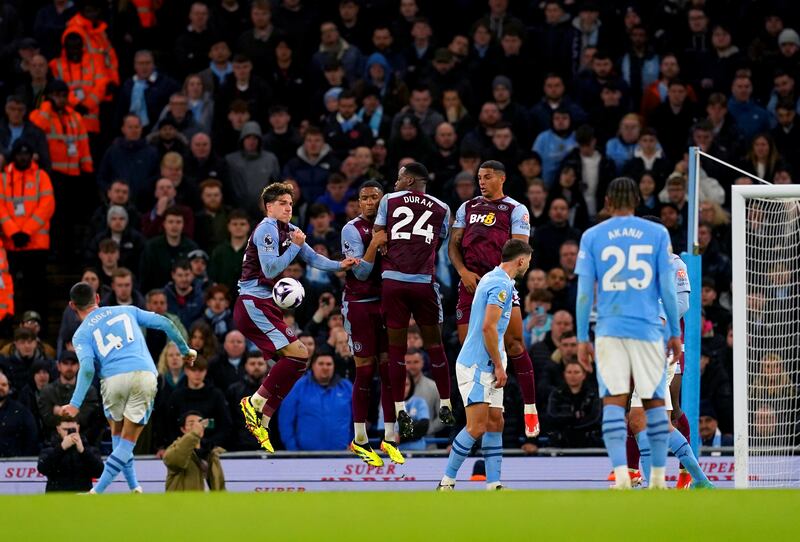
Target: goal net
(766,318)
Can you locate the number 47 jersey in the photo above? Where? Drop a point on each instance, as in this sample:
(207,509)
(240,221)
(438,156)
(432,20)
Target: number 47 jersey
(112,337)
(626,256)
(415,224)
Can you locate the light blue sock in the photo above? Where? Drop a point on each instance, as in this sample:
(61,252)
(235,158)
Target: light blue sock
(644,451)
(114,464)
(129,472)
(462,444)
(657,434)
(492,446)
(615,431)
(680,447)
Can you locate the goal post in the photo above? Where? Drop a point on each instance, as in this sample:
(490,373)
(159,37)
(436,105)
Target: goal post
(766,330)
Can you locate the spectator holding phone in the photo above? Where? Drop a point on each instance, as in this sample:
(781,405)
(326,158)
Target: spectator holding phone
(536,325)
(69,462)
(192,462)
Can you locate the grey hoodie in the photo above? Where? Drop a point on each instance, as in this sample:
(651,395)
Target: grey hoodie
(251,172)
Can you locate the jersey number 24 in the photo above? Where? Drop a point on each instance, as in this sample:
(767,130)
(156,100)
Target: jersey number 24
(419,226)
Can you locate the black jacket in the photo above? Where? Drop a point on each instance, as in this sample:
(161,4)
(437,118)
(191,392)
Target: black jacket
(70,470)
(210,402)
(18,434)
(30,133)
(222,373)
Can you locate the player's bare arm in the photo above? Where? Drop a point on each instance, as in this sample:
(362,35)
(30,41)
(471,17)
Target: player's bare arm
(468,278)
(491,339)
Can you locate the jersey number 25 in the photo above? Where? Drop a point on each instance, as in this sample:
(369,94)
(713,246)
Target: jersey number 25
(633,264)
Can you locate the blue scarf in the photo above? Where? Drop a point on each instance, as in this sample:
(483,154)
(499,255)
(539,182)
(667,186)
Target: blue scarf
(138,104)
(221,74)
(374,121)
(348,124)
(218,321)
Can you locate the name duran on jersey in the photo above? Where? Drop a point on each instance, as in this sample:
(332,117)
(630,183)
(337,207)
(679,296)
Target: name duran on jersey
(495,288)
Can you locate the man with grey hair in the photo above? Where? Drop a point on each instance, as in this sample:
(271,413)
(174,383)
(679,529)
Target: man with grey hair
(130,241)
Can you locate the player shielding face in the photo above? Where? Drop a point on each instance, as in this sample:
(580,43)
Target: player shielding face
(628,258)
(110,338)
(361,309)
(480,367)
(482,226)
(415,223)
(272,246)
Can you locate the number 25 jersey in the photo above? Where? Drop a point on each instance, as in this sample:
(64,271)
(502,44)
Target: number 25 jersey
(415,223)
(626,256)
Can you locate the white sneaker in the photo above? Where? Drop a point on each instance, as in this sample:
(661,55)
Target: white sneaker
(445,487)
(137,489)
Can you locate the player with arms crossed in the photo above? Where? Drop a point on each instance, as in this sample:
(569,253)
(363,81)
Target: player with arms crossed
(415,223)
(483,224)
(111,339)
(480,366)
(629,259)
(272,246)
(361,308)
(678,444)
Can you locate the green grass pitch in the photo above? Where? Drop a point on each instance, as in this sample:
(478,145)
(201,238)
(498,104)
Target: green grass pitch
(521,515)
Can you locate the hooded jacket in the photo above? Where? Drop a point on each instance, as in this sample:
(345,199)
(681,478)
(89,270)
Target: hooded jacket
(251,172)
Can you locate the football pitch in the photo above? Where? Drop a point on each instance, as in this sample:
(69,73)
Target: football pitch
(448,517)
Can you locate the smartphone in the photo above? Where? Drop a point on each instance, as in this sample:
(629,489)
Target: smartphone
(71,430)
(539,310)
(209,423)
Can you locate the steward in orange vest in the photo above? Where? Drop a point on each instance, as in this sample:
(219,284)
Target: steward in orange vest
(66,134)
(87,83)
(26,202)
(6,287)
(87,23)
(146,11)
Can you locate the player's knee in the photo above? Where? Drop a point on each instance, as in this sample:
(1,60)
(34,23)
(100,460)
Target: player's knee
(476,428)
(637,420)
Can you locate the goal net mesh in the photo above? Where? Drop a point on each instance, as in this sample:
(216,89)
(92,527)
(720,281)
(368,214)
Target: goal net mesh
(772,286)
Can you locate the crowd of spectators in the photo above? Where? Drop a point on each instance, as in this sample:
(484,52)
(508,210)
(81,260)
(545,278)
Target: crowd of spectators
(138,135)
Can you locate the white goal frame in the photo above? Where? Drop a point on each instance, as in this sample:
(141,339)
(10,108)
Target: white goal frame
(739,195)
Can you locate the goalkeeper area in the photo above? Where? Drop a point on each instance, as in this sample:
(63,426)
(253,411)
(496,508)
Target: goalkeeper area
(513,515)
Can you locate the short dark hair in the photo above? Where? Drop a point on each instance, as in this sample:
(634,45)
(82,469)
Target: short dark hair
(182,418)
(241,58)
(541,295)
(584,134)
(318,209)
(493,164)
(417,171)
(275,190)
(25,333)
(785,104)
(107,246)
(173,211)
(514,248)
(313,131)
(370,184)
(415,351)
(346,95)
(181,263)
(82,295)
(568,335)
(238,214)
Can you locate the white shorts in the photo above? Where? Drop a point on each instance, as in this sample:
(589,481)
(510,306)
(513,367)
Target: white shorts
(620,359)
(672,370)
(129,395)
(478,386)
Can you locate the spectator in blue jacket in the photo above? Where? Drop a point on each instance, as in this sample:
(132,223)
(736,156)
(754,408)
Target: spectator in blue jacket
(183,298)
(620,149)
(554,144)
(750,117)
(316,415)
(313,165)
(146,92)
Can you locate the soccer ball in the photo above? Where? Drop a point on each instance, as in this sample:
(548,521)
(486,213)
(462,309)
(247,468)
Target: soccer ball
(288,293)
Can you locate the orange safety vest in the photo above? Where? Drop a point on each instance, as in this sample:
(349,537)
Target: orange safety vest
(6,287)
(87,86)
(26,205)
(145,9)
(96,44)
(66,138)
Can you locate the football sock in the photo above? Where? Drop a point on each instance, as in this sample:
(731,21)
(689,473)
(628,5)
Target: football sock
(361,387)
(680,447)
(258,401)
(387,402)
(657,434)
(397,372)
(129,472)
(440,370)
(644,450)
(279,382)
(398,406)
(614,434)
(361,433)
(632,450)
(445,403)
(389,433)
(462,444)
(114,464)
(523,368)
(492,446)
